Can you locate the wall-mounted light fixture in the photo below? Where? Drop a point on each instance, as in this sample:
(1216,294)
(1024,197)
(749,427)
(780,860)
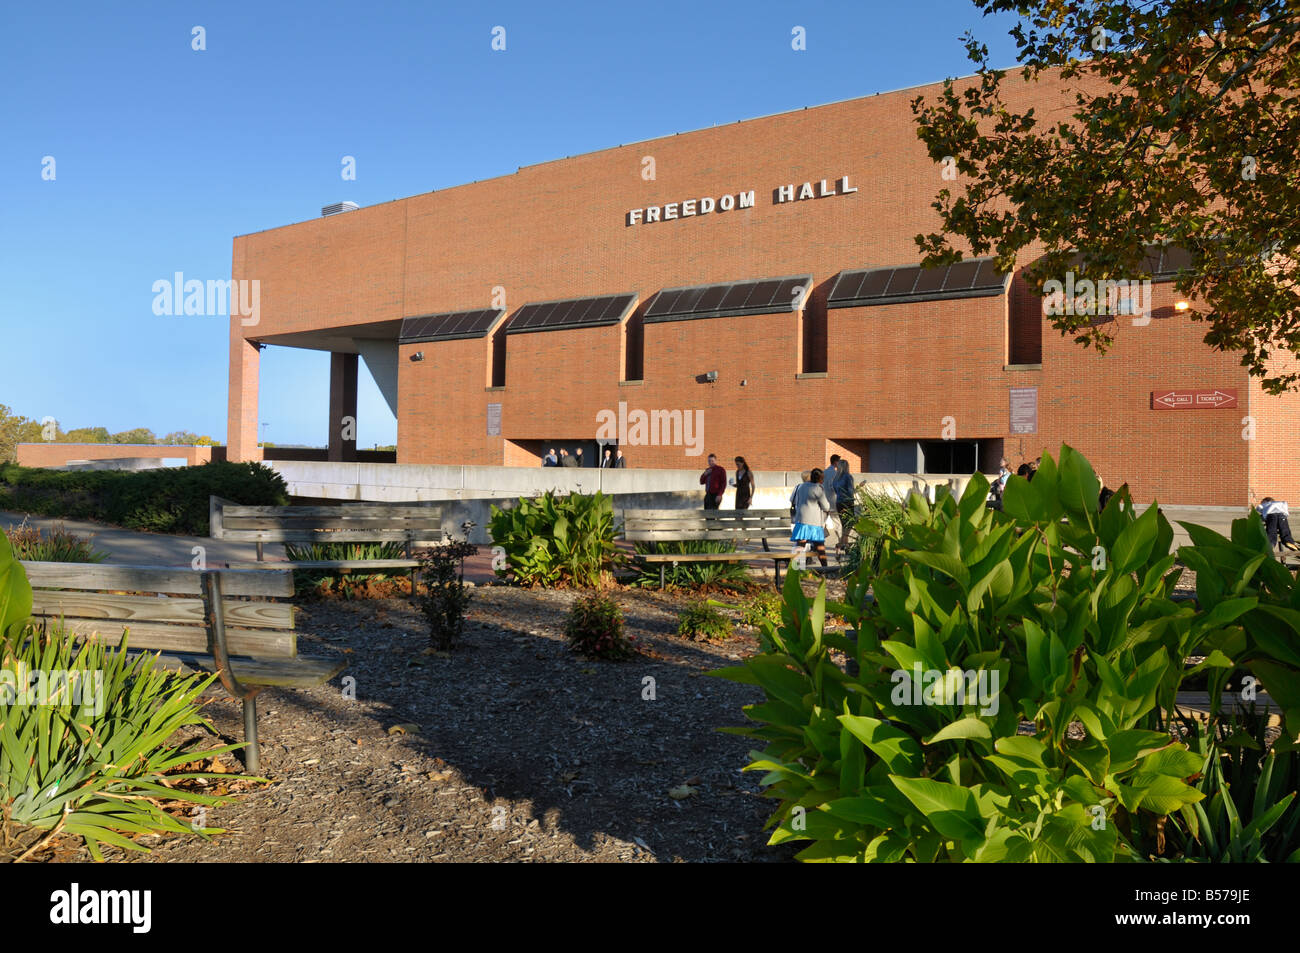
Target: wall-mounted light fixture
(418,356)
(711,376)
(1181,305)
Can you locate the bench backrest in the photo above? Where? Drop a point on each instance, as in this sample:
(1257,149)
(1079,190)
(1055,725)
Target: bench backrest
(97,601)
(345,523)
(655,526)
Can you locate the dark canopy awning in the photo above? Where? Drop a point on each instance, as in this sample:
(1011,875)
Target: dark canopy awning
(730,299)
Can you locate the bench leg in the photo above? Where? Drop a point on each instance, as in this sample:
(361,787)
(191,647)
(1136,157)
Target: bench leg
(777,564)
(252,759)
(662,575)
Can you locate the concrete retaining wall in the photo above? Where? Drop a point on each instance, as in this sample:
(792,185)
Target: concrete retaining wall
(470,491)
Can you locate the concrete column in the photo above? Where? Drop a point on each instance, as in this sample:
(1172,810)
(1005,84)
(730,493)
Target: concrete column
(343,408)
(241,412)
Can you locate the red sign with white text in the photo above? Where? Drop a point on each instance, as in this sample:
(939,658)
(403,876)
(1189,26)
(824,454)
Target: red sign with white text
(1216,399)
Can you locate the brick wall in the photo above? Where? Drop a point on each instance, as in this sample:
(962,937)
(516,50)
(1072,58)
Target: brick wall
(58,454)
(813,382)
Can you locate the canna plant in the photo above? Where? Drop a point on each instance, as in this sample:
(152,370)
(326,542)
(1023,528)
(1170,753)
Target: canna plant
(555,540)
(1011,671)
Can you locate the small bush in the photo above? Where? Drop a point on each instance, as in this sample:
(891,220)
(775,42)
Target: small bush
(58,546)
(701,621)
(877,513)
(719,575)
(168,500)
(445,597)
(765,606)
(558,540)
(595,629)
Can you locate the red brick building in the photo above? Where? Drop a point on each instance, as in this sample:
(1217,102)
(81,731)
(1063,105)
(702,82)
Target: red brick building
(758,281)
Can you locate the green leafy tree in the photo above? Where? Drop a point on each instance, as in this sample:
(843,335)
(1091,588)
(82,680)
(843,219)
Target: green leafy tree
(86,435)
(140,435)
(1181,126)
(15,429)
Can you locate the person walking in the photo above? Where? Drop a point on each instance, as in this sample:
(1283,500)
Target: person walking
(844,491)
(811,507)
(550,460)
(744,484)
(566,460)
(714,480)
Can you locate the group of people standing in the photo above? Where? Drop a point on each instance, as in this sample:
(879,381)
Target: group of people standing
(612,459)
(825,497)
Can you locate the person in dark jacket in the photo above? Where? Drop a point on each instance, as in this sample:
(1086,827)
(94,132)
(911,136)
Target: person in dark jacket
(620,461)
(566,460)
(744,484)
(607,460)
(714,480)
(577,458)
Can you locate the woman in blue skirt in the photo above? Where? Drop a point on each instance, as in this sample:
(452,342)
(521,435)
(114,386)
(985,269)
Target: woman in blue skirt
(811,507)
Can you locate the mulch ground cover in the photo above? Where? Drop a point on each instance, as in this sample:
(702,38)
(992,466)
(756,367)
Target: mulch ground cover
(510,748)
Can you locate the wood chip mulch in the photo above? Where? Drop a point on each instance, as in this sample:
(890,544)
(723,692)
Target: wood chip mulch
(511,748)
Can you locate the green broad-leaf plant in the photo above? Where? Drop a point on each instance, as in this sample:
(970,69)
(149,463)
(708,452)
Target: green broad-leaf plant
(1048,648)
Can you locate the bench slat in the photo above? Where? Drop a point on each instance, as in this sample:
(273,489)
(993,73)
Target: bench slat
(679,535)
(99,605)
(712,557)
(733,529)
(184,638)
(256,582)
(337,564)
(301,672)
(433,523)
(332,535)
(703,513)
(343,510)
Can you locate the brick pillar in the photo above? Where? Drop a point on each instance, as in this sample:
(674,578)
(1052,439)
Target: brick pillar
(343,407)
(241,414)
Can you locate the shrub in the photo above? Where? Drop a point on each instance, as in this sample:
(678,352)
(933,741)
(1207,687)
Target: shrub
(445,597)
(58,546)
(595,629)
(701,621)
(972,623)
(558,540)
(169,500)
(765,606)
(878,511)
(721,575)
(342,581)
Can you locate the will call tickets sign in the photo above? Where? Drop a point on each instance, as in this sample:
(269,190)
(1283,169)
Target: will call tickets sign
(1215,399)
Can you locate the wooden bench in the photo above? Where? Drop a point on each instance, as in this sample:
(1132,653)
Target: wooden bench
(410,524)
(249,642)
(734,526)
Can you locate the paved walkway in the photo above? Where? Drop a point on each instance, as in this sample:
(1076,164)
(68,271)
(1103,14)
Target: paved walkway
(138,548)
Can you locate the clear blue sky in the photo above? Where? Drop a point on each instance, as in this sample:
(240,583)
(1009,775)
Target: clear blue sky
(163,154)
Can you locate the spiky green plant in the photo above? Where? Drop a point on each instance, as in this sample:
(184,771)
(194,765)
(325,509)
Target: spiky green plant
(57,545)
(83,741)
(692,575)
